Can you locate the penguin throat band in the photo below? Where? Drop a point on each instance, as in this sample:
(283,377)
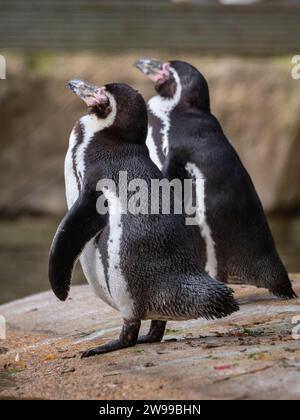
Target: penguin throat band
(160,197)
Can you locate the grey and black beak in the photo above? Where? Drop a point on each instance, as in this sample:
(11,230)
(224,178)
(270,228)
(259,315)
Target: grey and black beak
(92,95)
(82,88)
(149,66)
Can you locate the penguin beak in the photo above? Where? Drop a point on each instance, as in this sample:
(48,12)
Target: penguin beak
(92,95)
(156,70)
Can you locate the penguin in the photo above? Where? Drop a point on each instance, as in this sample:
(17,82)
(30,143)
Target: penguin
(140,264)
(185,140)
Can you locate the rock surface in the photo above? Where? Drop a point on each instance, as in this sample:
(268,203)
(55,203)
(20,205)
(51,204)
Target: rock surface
(257,102)
(250,355)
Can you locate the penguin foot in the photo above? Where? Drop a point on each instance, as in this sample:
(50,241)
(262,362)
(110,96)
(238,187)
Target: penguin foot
(128,338)
(106,348)
(155,334)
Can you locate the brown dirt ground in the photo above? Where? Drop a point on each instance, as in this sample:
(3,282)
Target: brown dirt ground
(250,355)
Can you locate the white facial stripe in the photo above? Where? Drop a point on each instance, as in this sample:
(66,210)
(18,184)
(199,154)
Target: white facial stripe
(162,107)
(110,119)
(91,125)
(117,282)
(211,266)
(153,148)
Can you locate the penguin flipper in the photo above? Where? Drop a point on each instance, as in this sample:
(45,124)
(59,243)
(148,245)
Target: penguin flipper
(174,166)
(81,223)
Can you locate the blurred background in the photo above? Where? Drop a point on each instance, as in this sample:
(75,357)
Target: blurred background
(243,47)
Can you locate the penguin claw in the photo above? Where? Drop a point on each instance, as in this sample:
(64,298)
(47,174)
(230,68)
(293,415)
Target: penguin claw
(91,353)
(88,353)
(94,352)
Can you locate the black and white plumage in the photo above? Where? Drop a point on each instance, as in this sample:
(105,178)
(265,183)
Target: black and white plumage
(142,265)
(186,141)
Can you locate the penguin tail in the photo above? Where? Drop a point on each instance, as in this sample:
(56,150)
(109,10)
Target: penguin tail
(273,275)
(283,289)
(195,297)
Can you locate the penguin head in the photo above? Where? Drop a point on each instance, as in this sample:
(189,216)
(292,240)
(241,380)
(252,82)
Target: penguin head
(118,105)
(172,77)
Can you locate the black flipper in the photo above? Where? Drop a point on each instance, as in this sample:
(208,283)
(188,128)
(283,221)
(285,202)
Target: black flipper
(174,166)
(80,224)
